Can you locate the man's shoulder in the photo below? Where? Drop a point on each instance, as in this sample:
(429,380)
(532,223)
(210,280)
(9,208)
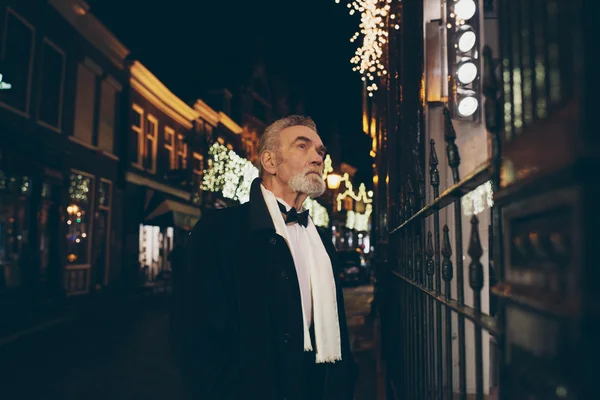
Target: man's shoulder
(222,218)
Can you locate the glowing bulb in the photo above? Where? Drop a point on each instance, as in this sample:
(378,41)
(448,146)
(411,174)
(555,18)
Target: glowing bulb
(467,106)
(396,26)
(465,9)
(393,16)
(467,39)
(466,71)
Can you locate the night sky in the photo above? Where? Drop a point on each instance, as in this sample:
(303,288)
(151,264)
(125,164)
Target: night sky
(195,46)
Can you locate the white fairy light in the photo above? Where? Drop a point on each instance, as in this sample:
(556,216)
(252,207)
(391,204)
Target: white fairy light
(228,173)
(367,58)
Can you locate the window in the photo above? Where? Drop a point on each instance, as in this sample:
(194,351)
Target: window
(84,104)
(50,103)
(198,163)
(79,214)
(14,227)
(108,107)
(136,143)
(170,146)
(17,54)
(151,142)
(181,151)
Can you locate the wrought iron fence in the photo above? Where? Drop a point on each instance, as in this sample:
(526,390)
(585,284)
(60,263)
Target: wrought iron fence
(423,274)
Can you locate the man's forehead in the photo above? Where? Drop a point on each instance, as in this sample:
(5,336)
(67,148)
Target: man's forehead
(290,134)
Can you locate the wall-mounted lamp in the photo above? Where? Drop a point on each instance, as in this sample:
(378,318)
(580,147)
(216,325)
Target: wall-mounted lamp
(463,33)
(333,181)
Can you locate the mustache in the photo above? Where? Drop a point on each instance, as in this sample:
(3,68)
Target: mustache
(312,171)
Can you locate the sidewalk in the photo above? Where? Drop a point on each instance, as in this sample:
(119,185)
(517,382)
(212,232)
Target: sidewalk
(24,321)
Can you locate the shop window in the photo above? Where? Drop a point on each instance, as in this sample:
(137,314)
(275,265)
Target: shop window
(155,246)
(79,213)
(14,225)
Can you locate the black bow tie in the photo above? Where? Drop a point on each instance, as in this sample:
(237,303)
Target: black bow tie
(294,216)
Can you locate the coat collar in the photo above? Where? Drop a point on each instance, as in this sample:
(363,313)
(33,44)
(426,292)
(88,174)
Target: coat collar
(260,219)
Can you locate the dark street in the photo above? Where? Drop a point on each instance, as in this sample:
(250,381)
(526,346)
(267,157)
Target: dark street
(439,150)
(122,352)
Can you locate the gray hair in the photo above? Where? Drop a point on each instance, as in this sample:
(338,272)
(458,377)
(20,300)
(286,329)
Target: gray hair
(270,138)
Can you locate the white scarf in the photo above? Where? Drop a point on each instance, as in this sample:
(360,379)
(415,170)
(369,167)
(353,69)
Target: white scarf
(325,312)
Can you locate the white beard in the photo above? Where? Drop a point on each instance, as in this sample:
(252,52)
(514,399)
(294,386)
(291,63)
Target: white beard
(312,185)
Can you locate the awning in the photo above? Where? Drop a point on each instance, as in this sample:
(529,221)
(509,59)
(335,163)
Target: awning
(173,213)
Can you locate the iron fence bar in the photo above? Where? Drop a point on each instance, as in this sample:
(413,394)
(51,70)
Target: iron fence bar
(414,322)
(419,313)
(424,334)
(479,176)
(430,304)
(447,274)
(434,180)
(486,322)
(454,163)
(407,372)
(476,282)
(414,300)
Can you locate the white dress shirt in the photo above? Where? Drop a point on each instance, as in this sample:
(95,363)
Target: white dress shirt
(296,235)
(317,284)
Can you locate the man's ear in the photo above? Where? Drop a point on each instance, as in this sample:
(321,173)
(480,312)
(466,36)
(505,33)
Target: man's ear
(267,159)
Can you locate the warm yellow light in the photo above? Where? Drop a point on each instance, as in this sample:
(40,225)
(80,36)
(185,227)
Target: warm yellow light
(375,179)
(333,181)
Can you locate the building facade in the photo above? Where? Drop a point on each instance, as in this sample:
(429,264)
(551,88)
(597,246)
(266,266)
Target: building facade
(59,186)
(163,169)
(479,119)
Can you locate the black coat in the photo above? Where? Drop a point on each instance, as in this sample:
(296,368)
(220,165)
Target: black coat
(237,325)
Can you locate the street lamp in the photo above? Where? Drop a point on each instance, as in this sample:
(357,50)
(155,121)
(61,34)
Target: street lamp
(333,181)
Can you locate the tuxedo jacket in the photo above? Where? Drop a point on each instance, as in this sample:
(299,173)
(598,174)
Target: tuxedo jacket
(237,324)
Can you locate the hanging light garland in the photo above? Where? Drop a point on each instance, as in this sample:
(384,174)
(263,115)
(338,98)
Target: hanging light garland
(228,173)
(368,57)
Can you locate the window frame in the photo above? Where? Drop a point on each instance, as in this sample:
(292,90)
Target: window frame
(62,88)
(153,138)
(140,130)
(170,145)
(27,112)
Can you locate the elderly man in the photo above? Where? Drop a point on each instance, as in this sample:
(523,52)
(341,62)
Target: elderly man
(259,314)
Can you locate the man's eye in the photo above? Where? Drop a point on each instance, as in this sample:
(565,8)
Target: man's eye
(302,146)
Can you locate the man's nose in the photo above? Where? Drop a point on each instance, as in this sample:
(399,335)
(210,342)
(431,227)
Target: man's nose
(317,159)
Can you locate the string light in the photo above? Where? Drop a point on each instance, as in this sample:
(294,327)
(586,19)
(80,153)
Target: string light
(368,55)
(362,194)
(228,173)
(317,212)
